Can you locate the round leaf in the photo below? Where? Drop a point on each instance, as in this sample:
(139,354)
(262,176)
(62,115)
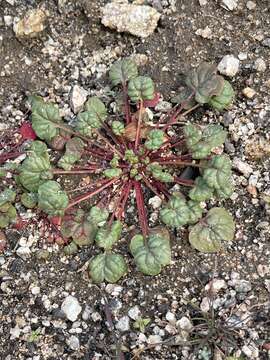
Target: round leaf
(154,253)
(141,88)
(108,266)
(223,100)
(155,139)
(122,71)
(215,229)
(51,199)
(106,237)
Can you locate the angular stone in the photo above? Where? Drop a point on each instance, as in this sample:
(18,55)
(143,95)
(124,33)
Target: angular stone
(138,20)
(31,25)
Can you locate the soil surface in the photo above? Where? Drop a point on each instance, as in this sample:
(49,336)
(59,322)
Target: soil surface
(75,48)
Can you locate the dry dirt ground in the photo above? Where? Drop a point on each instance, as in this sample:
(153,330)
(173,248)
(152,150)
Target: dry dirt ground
(76,49)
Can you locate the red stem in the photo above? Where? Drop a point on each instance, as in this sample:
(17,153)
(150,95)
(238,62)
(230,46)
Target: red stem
(141,209)
(178,162)
(118,201)
(137,139)
(184,182)
(150,186)
(91,194)
(126,104)
(74,172)
(162,188)
(10,155)
(123,205)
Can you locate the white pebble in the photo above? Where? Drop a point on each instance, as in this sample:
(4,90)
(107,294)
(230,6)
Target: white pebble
(229,65)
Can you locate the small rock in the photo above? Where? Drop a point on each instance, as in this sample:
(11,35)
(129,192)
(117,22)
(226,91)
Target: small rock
(31,25)
(251,5)
(171,318)
(216,285)
(203,2)
(267,285)
(134,312)
(8,20)
(260,65)
(73,342)
(229,65)
(205,33)
(251,351)
(86,313)
(71,308)
(113,289)
(138,20)
(140,59)
(23,252)
(241,286)
(123,324)
(96,316)
(184,324)
(155,202)
(35,290)
(205,304)
(249,92)
(266,42)
(243,167)
(242,56)
(230,4)
(263,270)
(78,97)
(15,332)
(154,339)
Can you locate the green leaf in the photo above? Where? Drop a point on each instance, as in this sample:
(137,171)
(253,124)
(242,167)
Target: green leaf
(201,191)
(98,215)
(179,212)
(141,88)
(39,148)
(154,253)
(115,161)
(204,82)
(3,172)
(215,229)
(159,173)
(141,323)
(224,100)
(45,117)
(51,199)
(29,200)
(92,118)
(95,105)
(82,124)
(74,151)
(11,213)
(118,127)
(185,98)
(217,175)
(7,196)
(130,157)
(111,173)
(201,142)
(108,266)
(155,139)
(122,71)
(35,170)
(4,221)
(71,248)
(106,236)
(79,228)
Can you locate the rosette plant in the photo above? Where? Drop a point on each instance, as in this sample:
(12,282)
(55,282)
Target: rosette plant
(128,151)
